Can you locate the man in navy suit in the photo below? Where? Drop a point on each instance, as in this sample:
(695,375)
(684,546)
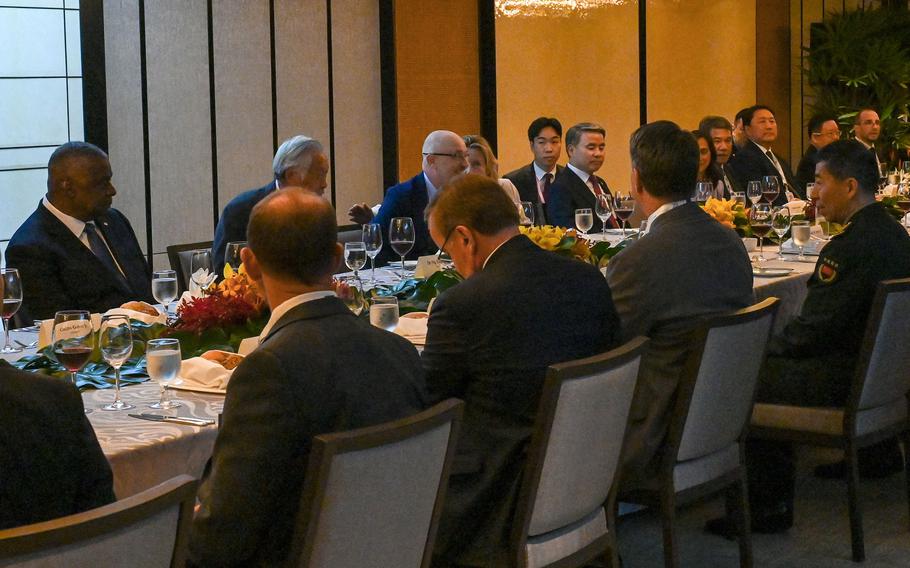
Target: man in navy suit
(534,180)
(754,160)
(444,157)
(75,251)
(578,186)
(299,162)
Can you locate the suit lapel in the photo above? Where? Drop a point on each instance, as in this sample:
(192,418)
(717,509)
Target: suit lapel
(314,309)
(72,245)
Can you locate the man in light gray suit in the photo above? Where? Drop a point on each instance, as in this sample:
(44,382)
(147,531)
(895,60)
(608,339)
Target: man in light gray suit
(687,265)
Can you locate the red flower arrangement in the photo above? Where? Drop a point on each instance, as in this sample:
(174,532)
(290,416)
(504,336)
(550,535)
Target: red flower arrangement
(214,310)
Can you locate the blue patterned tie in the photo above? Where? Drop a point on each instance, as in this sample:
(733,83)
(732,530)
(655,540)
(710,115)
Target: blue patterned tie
(101,251)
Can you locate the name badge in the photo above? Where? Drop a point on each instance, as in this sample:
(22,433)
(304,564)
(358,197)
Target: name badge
(427,266)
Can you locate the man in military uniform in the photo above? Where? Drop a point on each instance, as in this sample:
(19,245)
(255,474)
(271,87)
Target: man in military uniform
(811,363)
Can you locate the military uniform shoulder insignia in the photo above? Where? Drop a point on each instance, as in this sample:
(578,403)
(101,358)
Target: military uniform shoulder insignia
(827,270)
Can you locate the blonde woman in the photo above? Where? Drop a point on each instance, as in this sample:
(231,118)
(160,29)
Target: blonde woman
(482,161)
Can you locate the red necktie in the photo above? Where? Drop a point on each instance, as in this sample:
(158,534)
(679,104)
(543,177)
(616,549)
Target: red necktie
(596,184)
(547,178)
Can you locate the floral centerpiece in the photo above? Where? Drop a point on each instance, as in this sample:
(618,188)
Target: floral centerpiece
(729,213)
(566,242)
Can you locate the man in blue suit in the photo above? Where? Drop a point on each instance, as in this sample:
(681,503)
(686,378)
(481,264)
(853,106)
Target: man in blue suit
(444,157)
(299,162)
(75,251)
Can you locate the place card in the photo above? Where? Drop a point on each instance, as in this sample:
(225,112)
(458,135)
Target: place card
(427,266)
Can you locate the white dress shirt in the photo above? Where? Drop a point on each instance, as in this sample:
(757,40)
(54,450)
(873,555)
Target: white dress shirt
(539,173)
(585,177)
(288,305)
(660,211)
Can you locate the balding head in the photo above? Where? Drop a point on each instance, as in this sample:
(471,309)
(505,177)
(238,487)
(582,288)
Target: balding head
(444,156)
(293,235)
(79,180)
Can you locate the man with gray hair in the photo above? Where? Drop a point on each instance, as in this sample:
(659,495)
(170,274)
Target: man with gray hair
(444,157)
(300,161)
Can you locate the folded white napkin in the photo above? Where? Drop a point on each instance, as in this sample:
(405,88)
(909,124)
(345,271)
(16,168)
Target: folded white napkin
(796,207)
(413,328)
(199,372)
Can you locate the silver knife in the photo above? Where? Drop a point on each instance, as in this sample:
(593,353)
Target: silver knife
(174,419)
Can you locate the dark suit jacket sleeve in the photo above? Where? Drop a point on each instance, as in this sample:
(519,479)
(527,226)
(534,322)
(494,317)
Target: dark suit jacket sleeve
(626,278)
(43,291)
(231,227)
(256,444)
(444,357)
(559,206)
(96,477)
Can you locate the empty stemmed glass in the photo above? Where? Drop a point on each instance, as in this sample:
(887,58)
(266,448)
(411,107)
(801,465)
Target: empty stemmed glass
(603,208)
(770,188)
(355,257)
(703,191)
(584,220)
(401,237)
(780,224)
(73,340)
(760,221)
(115,340)
(162,360)
(11,291)
(164,288)
(372,240)
(526,213)
(232,254)
(623,205)
(754,191)
(201,270)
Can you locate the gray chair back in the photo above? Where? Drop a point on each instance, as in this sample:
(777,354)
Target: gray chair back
(180,257)
(724,389)
(886,372)
(577,443)
(372,497)
(350,234)
(149,529)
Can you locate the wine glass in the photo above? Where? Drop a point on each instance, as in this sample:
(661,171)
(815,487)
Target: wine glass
(739,198)
(164,288)
(384,312)
(760,221)
(401,237)
(780,224)
(526,213)
(584,220)
(115,340)
(603,208)
(232,254)
(162,357)
(372,240)
(703,190)
(754,191)
(355,257)
(201,269)
(73,340)
(801,232)
(623,205)
(770,188)
(11,291)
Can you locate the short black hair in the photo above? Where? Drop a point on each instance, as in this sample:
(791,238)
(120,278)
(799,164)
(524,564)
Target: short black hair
(816,122)
(542,122)
(74,149)
(573,136)
(711,122)
(750,112)
(474,201)
(296,238)
(742,112)
(845,159)
(666,158)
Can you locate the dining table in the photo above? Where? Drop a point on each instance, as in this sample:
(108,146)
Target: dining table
(144,453)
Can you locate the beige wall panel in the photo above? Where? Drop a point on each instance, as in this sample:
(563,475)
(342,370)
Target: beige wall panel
(694,71)
(301,59)
(124,111)
(357,104)
(243,96)
(179,122)
(575,69)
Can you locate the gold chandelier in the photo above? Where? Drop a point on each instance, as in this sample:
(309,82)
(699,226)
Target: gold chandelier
(552,8)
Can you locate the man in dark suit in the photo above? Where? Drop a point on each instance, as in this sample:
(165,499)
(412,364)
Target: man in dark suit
(823,130)
(867,128)
(754,160)
(75,251)
(489,342)
(719,130)
(317,369)
(299,161)
(444,157)
(578,186)
(50,462)
(534,180)
(662,284)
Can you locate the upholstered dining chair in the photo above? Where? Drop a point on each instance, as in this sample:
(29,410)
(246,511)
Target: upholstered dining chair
(877,405)
(372,497)
(573,458)
(147,530)
(180,257)
(703,451)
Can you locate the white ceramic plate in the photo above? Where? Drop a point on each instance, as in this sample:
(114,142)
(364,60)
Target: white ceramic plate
(182,385)
(770,272)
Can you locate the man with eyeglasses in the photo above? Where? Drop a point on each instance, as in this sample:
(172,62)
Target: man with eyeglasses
(444,157)
(823,130)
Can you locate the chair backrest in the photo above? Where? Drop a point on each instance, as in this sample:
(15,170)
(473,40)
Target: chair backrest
(720,379)
(350,234)
(883,369)
(373,496)
(149,529)
(180,258)
(577,441)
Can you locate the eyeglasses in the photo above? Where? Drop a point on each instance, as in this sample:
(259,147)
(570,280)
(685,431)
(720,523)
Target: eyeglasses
(457,155)
(444,243)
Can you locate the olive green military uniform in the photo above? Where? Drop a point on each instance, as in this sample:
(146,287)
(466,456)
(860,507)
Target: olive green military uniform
(812,362)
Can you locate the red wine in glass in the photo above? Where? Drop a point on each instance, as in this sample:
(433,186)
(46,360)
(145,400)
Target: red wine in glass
(769,196)
(73,358)
(904,204)
(10,306)
(623,213)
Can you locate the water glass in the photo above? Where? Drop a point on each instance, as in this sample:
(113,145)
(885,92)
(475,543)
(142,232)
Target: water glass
(11,292)
(801,233)
(115,340)
(201,269)
(739,198)
(703,191)
(780,224)
(232,254)
(584,220)
(355,257)
(526,213)
(162,357)
(164,287)
(384,312)
(372,240)
(754,191)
